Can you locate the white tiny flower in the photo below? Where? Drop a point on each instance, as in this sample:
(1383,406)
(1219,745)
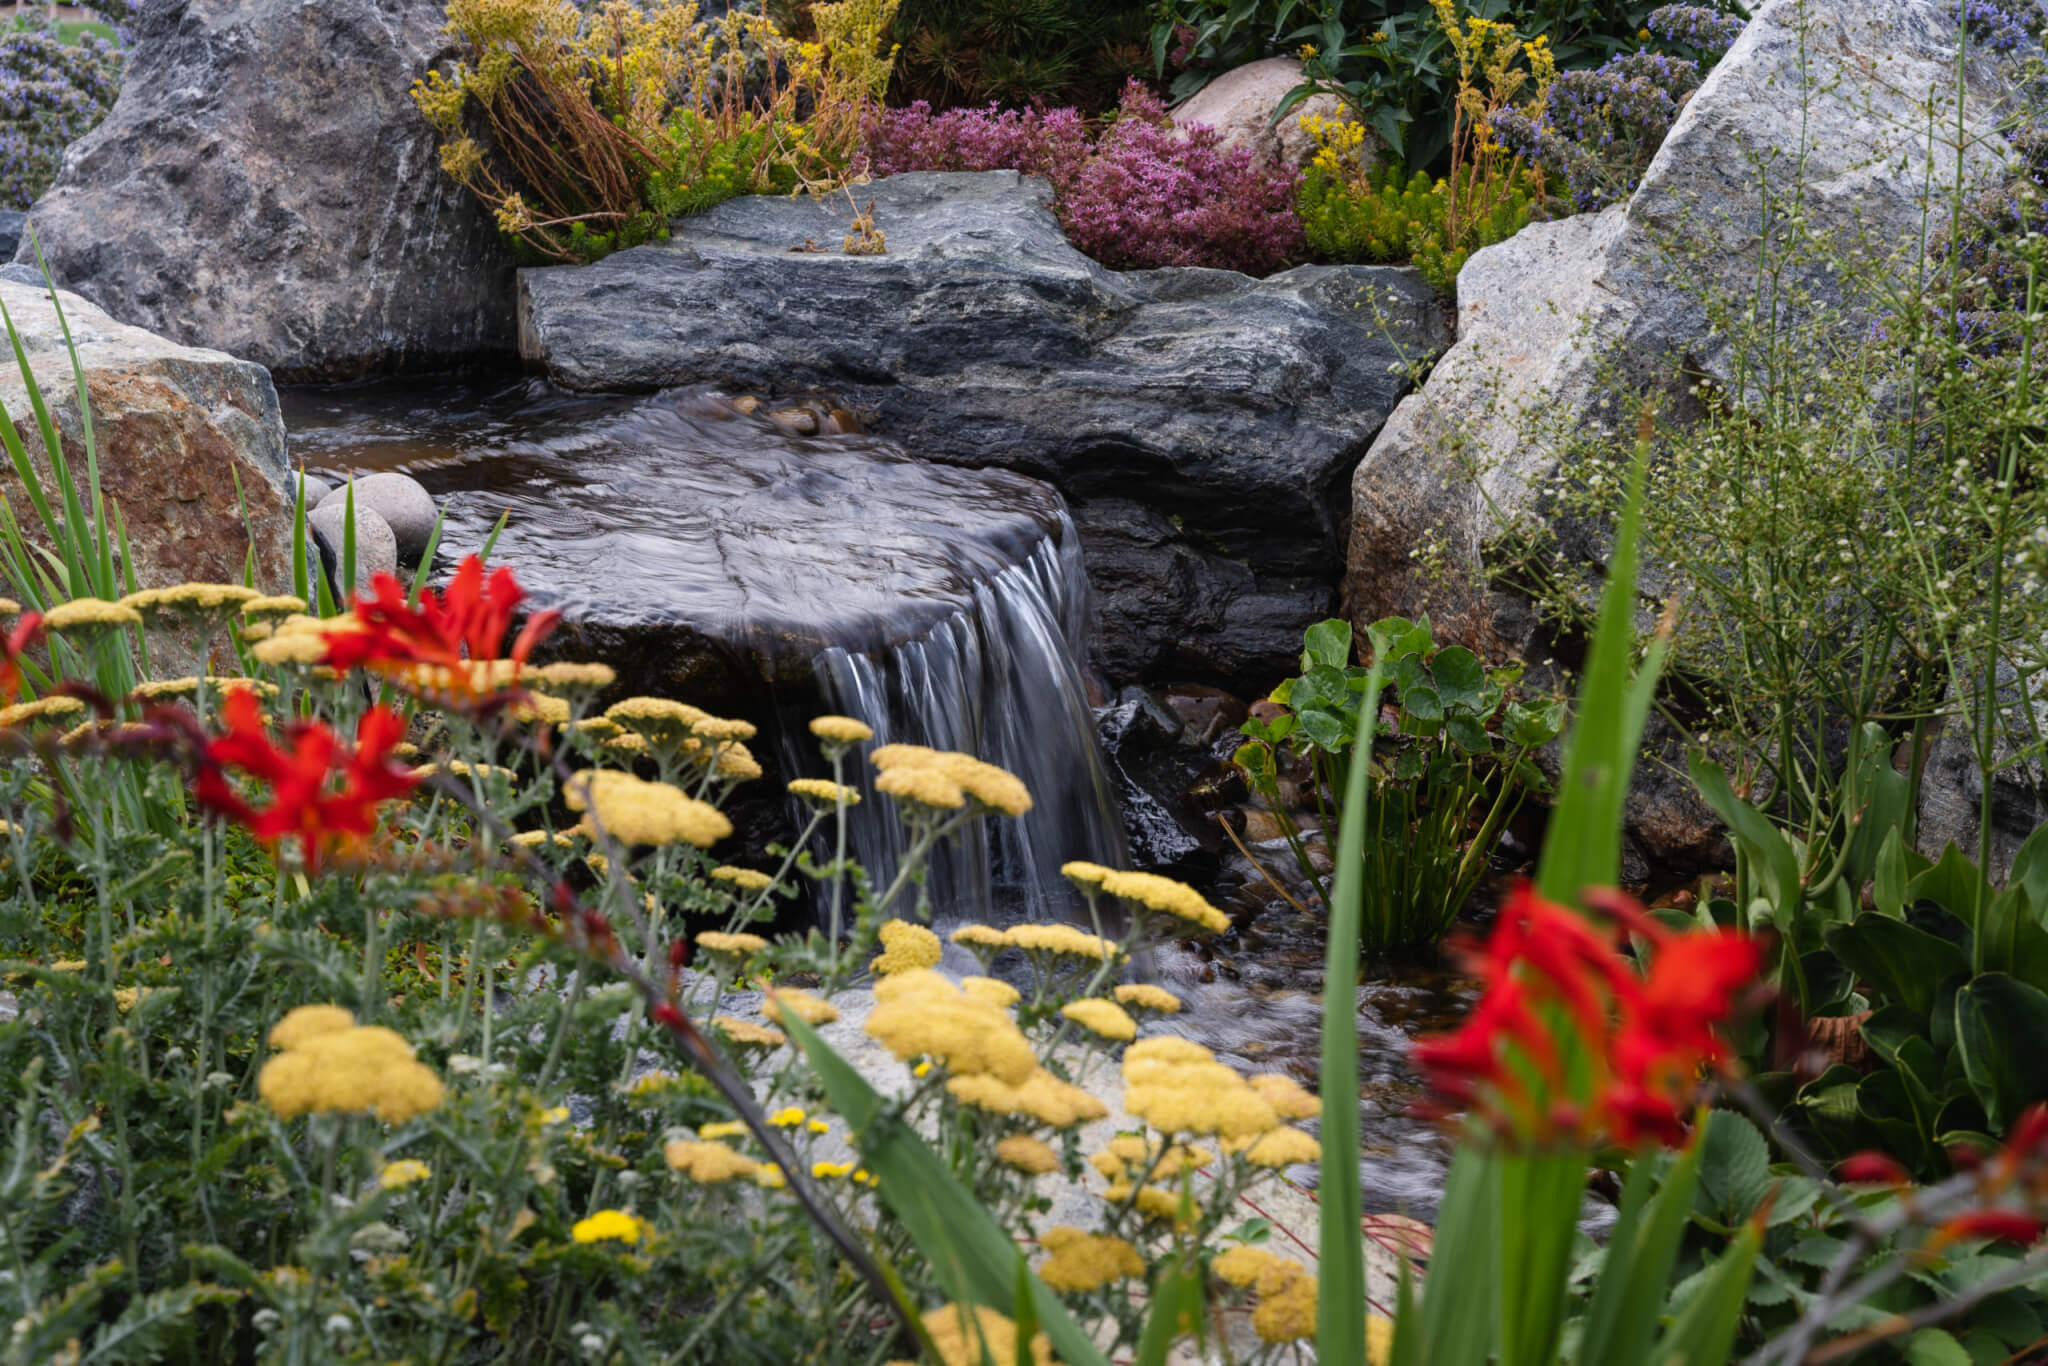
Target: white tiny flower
(339,1324)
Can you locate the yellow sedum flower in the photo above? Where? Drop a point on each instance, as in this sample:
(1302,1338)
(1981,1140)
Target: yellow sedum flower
(1027,1154)
(1104,1018)
(841,730)
(610,1225)
(708,1163)
(1145,996)
(402,1173)
(1083,1261)
(824,791)
(634,811)
(905,946)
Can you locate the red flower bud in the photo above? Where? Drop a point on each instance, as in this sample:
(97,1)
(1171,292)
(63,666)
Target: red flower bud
(2010,1226)
(1873,1168)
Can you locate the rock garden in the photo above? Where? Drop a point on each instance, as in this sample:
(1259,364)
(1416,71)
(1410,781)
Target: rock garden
(932,681)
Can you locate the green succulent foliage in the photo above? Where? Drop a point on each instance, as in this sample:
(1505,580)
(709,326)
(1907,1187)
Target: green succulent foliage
(1387,58)
(1017,52)
(1949,974)
(1445,780)
(1384,217)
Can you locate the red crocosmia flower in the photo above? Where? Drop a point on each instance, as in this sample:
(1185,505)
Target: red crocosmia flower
(322,794)
(2001,1225)
(449,641)
(28,628)
(1570,1043)
(1873,1168)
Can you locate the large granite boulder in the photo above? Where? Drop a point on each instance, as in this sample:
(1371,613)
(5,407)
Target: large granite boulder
(1561,327)
(185,439)
(265,186)
(1202,424)
(1241,102)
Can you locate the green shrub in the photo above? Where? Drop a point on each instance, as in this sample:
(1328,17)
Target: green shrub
(1017,52)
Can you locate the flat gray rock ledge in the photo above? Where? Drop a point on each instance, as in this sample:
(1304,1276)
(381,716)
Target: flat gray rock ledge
(1202,424)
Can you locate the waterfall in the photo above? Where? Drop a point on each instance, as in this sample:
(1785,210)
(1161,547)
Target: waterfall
(999,679)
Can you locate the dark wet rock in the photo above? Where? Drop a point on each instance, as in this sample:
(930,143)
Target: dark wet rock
(265,186)
(176,429)
(1202,424)
(1154,768)
(12,222)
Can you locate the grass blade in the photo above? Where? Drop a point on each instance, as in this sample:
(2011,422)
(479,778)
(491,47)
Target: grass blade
(1340,1303)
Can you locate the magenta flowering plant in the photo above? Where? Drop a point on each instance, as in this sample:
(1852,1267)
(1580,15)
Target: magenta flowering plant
(1139,193)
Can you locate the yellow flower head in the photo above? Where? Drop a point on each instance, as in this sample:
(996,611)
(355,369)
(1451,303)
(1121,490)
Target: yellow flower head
(720,728)
(981,937)
(43,708)
(1164,894)
(273,605)
(731,945)
(824,791)
(191,601)
(1104,1018)
(1287,1303)
(788,1117)
(991,787)
(1176,1086)
(966,1337)
(841,730)
(996,992)
(707,1163)
(1062,941)
(656,717)
(1082,1261)
(1086,876)
(634,811)
(89,614)
(1044,1097)
(1241,1266)
(1283,1148)
(1145,996)
(1027,1154)
(539,708)
(610,1225)
(736,761)
(745,879)
(747,1033)
(926,787)
(905,946)
(309,1022)
(402,1173)
(534,839)
(362,1069)
(801,1004)
(290,647)
(1286,1095)
(969,1036)
(723,1128)
(572,678)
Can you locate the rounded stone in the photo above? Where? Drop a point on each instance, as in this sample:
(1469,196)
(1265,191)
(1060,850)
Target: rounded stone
(317,490)
(376,547)
(402,501)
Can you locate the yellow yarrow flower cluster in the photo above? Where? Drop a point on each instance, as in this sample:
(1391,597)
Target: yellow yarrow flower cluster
(996,992)
(328,1064)
(745,879)
(942,778)
(634,811)
(570,678)
(1283,1147)
(1056,940)
(88,615)
(402,1173)
(1287,1096)
(1128,1156)
(1286,1310)
(273,605)
(731,945)
(1043,1097)
(964,1336)
(708,1163)
(43,708)
(1145,996)
(748,1033)
(1164,894)
(905,946)
(1027,1154)
(1177,1086)
(823,791)
(1104,1018)
(841,730)
(611,1225)
(1083,1261)
(918,1013)
(190,601)
(801,1004)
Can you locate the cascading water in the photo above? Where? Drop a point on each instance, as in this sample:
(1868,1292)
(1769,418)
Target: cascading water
(715,557)
(999,680)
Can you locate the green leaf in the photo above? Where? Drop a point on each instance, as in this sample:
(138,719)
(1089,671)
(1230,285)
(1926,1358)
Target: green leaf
(1340,1307)
(949,1225)
(1423,704)
(1955,884)
(1735,1167)
(1763,846)
(2000,1023)
(1904,963)
(1703,1334)
(1628,1301)
(1325,729)
(1888,882)
(1175,1311)
(1934,1347)
(1327,643)
(1460,677)
(1527,726)
(1468,733)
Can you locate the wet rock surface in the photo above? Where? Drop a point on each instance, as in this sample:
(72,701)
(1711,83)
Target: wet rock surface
(1201,424)
(265,186)
(176,428)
